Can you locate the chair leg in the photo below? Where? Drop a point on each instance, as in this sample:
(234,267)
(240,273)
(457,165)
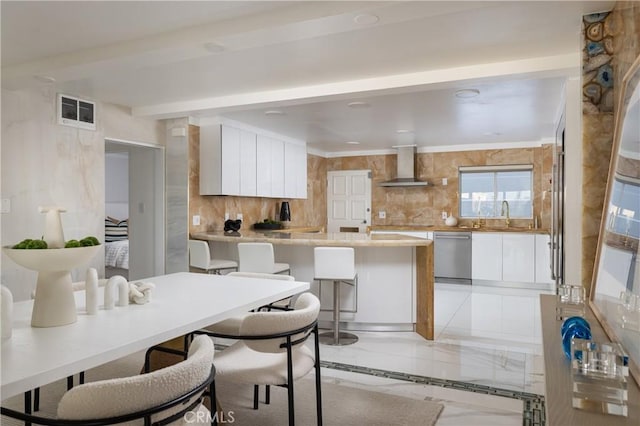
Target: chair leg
(267,395)
(36,399)
(213,403)
(318,381)
(292,420)
(27,405)
(255,396)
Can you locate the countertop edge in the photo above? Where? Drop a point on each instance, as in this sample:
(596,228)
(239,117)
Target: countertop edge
(315,239)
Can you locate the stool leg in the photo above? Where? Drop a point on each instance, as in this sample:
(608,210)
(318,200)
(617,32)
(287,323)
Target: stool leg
(336,312)
(336,337)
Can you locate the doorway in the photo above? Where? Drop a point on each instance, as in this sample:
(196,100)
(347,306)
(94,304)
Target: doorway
(143,205)
(348,200)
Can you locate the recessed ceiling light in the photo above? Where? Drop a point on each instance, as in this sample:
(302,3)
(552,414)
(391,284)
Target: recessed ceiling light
(410,145)
(492,134)
(213,47)
(353,142)
(403,131)
(44,78)
(273,112)
(358,104)
(366,19)
(467,93)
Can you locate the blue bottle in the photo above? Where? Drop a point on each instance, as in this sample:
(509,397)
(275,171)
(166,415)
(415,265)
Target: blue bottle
(572,327)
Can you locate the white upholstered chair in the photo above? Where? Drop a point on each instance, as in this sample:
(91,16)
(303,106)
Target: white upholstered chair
(273,351)
(259,257)
(200,258)
(231,326)
(165,394)
(336,264)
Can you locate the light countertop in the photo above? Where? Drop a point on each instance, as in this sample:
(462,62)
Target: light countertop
(349,239)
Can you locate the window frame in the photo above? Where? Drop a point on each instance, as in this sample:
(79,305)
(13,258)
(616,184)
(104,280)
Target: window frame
(495,170)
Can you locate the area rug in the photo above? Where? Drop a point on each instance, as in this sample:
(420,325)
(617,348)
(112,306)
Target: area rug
(342,405)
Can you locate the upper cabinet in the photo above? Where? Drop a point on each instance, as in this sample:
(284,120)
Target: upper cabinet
(235,161)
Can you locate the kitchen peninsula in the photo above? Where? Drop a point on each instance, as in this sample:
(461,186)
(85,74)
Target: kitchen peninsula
(395,275)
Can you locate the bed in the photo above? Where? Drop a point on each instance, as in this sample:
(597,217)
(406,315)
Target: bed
(116,247)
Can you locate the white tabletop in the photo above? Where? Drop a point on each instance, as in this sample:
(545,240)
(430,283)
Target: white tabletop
(181,303)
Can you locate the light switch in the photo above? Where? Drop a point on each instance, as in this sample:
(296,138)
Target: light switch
(382,214)
(444,181)
(196,220)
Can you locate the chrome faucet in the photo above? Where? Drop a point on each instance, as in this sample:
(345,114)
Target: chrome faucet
(507,220)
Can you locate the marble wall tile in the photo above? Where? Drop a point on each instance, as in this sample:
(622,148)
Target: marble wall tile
(423,205)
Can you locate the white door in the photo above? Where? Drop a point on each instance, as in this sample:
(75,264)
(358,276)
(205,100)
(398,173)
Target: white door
(348,200)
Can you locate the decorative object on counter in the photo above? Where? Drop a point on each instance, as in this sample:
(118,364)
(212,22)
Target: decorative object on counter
(123,292)
(574,327)
(54,304)
(140,292)
(451,220)
(629,310)
(6,317)
(570,301)
(285,214)
(599,372)
(232,225)
(91,291)
(268,224)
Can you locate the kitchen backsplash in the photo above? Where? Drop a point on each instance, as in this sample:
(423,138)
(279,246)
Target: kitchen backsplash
(403,206)
(424,205)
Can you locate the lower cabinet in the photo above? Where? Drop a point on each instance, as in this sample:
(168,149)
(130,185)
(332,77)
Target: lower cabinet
(518,258)
(486,256)
(510,257)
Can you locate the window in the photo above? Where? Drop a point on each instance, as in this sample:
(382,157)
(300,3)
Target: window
(624,217)
(483,189)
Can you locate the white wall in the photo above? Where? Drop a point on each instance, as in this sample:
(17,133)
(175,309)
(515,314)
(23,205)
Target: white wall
(46,163)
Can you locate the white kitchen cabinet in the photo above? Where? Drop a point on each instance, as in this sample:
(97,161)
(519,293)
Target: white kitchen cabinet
(543,259)
(227,161)
(248,165)
(270,167)
(295,177)
(237,161)
(518,257)
(486,256)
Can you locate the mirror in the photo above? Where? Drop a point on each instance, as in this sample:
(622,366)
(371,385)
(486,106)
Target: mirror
(615,290)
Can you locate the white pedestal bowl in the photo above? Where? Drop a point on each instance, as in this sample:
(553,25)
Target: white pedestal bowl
(54,304)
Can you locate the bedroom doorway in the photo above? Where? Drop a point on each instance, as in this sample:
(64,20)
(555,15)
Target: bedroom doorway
(134,195)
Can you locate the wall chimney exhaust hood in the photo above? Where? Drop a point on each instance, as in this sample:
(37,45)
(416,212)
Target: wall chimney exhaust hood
(406,169)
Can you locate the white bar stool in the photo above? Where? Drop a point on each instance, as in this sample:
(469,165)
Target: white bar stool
(336,264)
(259,257)
(200,257)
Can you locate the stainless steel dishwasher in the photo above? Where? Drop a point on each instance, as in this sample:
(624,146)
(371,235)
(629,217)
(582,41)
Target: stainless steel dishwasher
(452,257)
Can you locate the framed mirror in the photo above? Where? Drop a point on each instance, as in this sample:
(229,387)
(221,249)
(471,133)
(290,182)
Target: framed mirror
(615,290)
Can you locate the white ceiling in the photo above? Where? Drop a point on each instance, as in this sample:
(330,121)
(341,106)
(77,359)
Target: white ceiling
(309,60)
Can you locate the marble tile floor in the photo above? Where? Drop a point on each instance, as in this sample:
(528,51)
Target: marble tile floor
(488,343)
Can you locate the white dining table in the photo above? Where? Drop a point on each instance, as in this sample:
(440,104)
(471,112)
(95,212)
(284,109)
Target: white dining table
(180,303)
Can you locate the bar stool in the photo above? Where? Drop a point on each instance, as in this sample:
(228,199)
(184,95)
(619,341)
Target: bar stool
(200,257)
(336,264)
(259,257)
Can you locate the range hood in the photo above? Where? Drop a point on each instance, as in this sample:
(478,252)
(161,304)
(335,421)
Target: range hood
(406,175)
